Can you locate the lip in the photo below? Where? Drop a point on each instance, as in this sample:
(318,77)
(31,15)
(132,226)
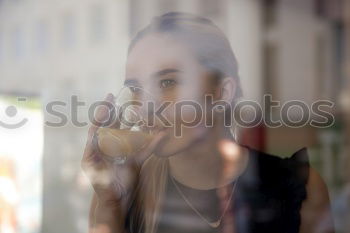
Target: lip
(155,131)
(152,130)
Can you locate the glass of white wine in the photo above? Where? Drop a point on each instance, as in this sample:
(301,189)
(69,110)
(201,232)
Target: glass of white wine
(125,136)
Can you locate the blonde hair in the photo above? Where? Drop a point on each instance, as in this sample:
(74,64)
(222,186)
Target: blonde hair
(212,49)
(149,193)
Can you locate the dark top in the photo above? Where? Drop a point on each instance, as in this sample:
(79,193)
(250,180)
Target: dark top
(267,199)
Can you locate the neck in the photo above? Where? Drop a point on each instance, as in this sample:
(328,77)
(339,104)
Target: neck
(204,166)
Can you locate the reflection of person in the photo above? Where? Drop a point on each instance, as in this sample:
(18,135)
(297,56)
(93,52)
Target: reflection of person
(202,181)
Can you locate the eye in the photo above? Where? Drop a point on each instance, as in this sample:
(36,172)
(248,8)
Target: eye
(166,83)
(134,89)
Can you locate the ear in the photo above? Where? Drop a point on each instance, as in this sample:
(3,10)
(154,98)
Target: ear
(226,89)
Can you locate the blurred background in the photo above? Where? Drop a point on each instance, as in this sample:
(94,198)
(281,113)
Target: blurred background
(53,50)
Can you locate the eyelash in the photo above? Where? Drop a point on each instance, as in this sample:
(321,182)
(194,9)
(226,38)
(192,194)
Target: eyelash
(134,89)
(163,84)
(166,82)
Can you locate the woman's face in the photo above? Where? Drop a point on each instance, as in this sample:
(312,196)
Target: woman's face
(167,74)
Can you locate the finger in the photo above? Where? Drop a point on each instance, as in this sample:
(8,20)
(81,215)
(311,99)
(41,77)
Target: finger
(116,115)
(100,114)
(104,111)
(91,149)
(123,118)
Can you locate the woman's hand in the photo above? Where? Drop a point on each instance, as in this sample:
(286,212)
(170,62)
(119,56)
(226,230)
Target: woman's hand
(111,181)
(102,173)
(113,184)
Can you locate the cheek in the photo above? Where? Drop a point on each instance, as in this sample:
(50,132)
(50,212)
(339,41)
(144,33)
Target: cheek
(184,107)
(185,113)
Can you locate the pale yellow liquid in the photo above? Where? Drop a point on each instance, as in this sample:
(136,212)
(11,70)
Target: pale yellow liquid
(121,142)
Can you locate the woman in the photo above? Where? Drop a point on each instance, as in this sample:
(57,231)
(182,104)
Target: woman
(197,178)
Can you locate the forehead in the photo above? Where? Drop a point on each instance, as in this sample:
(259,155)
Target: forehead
(159,51)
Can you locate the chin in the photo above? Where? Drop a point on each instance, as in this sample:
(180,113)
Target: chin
(161,153)
(168,148)
(175,145)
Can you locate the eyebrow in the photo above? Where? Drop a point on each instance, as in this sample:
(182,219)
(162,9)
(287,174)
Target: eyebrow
(131,82)
(165,71)
(134,82)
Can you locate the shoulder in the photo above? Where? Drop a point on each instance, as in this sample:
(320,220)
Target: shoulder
(316,211)
(306,190)
(294,168)
(288,177)
(316,188)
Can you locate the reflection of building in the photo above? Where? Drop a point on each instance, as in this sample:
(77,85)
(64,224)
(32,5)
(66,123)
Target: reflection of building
(302,57)
(55,49)
(20,167)
(7,196)
(346,68)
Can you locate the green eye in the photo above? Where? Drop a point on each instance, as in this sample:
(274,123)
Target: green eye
(134,89)
(166,83)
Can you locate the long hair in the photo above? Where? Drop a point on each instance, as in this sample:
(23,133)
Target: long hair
(212,49)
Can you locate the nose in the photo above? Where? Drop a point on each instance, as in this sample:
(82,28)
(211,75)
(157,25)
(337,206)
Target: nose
(149,105)
(137,105)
